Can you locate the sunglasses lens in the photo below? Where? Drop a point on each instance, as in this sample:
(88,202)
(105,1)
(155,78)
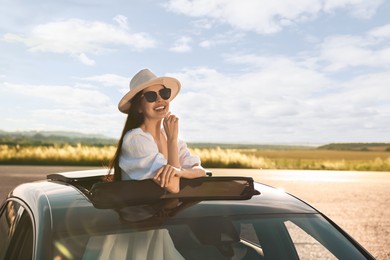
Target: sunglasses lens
(165,93)
(150,96)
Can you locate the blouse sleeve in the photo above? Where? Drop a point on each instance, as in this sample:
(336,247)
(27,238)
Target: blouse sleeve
(186,159)
(139,157)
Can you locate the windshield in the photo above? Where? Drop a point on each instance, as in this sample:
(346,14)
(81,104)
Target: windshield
(294,236)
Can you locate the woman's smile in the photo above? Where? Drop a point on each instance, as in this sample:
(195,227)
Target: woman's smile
(160,108)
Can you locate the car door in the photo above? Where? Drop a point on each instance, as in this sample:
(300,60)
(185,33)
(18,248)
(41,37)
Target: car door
(16,231)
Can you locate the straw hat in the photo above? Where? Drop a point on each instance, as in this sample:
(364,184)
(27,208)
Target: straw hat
(143,79)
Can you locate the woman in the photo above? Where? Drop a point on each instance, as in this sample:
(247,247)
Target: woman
(146,149)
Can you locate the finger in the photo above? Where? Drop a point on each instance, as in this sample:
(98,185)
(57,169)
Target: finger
(158,173)
(163,182)
(167,115)
(168,176)
(161,179)
(171,117)
(165,178)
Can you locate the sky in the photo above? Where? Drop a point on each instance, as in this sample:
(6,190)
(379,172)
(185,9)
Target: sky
(252,71)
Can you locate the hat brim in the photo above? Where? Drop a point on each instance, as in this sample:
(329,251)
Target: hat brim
(172,83)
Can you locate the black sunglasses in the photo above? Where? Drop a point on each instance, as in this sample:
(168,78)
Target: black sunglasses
(151,96)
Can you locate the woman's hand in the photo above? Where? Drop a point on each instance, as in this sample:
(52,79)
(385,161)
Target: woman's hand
(171,127)
(191,173)
(165,176)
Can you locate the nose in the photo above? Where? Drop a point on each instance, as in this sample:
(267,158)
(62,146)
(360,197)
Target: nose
(159,98)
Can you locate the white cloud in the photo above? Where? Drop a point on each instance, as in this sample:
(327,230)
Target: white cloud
(370,89)
(79,107)
(122,21)
(212,102)
(278,100)
(358,106)
(268,16)
(120,82)
(382,32)
(63,96)
(80,37)
(182,44)
(343,51)
(84,59)
(203,24)
(221,39)
(358,8)
(86,121)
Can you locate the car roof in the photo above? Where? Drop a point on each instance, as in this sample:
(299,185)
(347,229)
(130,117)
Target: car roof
(67,203)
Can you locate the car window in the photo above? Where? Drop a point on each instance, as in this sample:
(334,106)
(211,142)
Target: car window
(288,236)
(220,238)
(306,246)
(249,237)
(17,230)
(326,234)
(8,219)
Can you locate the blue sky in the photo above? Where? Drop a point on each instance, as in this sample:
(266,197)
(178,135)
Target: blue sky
(302,71)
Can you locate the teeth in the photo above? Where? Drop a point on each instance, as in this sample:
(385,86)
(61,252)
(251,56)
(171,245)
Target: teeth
(159,108)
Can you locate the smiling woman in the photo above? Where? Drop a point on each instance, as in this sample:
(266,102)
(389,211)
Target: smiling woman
(146,150)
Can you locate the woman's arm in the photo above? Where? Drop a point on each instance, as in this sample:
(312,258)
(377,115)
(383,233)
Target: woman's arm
(172,180)
(195,172)
(168,178)
(173,153)
(171,127)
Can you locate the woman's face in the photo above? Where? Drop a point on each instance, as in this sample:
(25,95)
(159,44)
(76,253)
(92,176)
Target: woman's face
(157,109)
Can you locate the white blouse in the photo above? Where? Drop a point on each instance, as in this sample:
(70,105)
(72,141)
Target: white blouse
(140,158)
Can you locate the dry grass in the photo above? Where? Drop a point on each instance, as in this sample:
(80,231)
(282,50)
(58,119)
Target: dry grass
(295,159)
(54,155)
(211,157)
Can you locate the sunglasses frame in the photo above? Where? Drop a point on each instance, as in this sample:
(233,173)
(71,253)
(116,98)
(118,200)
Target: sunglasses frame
(151,96)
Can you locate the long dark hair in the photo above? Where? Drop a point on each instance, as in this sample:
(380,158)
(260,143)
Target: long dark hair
(134,120)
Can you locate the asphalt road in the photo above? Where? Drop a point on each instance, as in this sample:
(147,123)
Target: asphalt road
(357,201)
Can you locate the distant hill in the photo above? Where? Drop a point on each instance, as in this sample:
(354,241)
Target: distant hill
(356,146)
(49,138)
(252,146)
(69,134)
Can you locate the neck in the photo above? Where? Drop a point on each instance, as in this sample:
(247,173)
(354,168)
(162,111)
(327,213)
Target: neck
(153,127)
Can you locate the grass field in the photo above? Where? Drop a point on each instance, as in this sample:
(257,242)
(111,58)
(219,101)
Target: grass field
(312,159)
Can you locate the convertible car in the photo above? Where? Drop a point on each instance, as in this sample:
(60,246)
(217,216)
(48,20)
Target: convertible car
(77,215)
